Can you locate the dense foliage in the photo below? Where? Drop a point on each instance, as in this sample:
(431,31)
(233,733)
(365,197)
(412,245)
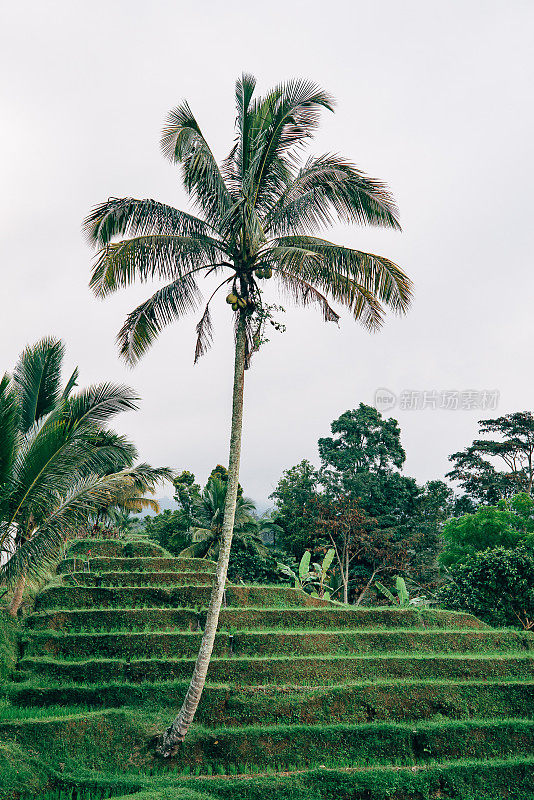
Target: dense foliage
(360,477)
(496,585)
(506,524)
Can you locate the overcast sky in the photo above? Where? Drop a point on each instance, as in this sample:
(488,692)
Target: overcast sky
(433,97)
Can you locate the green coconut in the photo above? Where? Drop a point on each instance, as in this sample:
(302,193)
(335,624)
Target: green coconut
(235,307)
(267,272)
(259,273)
(231,298)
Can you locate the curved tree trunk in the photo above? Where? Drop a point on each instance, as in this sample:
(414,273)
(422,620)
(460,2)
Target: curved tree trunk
(175,734)
(16,600)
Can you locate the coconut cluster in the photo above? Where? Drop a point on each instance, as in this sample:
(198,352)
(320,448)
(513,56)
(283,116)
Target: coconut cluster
(236,301)
(263,272)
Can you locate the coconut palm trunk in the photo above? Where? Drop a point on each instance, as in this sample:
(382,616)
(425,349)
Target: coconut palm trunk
(16,600)
(175,734)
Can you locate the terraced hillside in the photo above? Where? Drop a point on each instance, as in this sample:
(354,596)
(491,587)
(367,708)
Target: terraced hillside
(306,699)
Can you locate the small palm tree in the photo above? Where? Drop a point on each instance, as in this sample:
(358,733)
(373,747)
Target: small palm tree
(58,461)
(208,520)
(259,210)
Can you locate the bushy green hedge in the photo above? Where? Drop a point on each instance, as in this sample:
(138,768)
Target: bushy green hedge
(101,740)
(496,585)
(467,780)
(477,781)
(282,747)
(21,774)
(114,548)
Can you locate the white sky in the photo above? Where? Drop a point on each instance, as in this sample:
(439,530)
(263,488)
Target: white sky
(435,98)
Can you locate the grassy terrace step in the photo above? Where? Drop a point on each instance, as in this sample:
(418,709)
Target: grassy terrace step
(281,746)
(342,617)
(115,548)
(227,750)
(107,619)
(138,578)
(313,671)
(331,618)
(348,703)
(169,643)
(66,597)
(457,780)
(464,779)
(148,563)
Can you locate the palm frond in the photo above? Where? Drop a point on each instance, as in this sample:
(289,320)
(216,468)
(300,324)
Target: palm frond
(320,261)
(128,216)
(182,142)
(40,551)
(9,427)
(204,332)
(204,327)
(70,385)
(144,323)
(304,294)
(108,446)
(37,378)
(97,404)
(240,157)
(57,450)
(286,118)
(329,189)
(148,257)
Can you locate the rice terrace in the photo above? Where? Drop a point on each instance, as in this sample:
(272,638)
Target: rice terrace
(352,632)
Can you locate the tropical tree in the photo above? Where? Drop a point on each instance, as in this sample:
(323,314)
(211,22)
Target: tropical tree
(259,210)
(208,520)
(58,460)
(130,495)
(296,499)
(477,467)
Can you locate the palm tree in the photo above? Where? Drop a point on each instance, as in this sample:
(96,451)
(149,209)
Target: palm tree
(58,461)
(208,520)
(259,210)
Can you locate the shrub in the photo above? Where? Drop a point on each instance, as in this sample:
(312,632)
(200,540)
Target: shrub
(496,585)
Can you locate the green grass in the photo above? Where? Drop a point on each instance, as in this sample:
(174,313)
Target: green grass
(460,780)
(290,670)
(147,563)
(350,702)
(345,617)
(138,578)
(9,631)
(115,618)
(77,597)
(305,699)
(130,644)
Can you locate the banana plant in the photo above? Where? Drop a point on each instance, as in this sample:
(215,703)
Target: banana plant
(314,575)
(401,597)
